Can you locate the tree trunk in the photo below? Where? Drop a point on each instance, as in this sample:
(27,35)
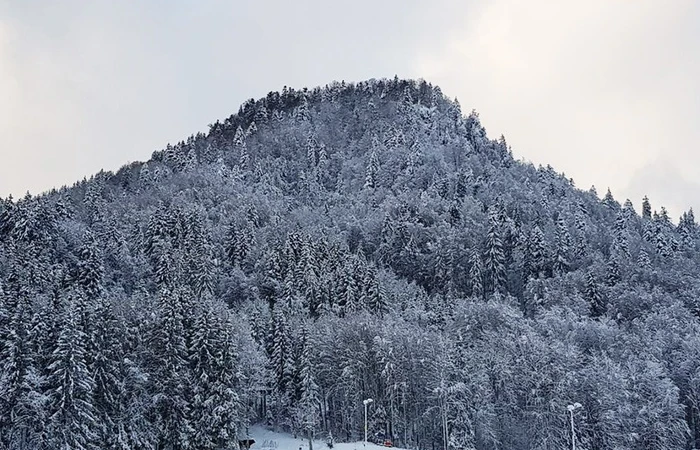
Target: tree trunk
(390,430)
(324,410)
(444,425)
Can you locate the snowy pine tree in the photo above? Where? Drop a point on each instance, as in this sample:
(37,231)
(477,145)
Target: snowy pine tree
(281,350)
(90,271)
(646,208)
(643,260)
(612,276)
(536,255)
(372,171)
(172,405)
(476,276)
(21,398)
(215,410)
(562,243)
(494,259)
(309,405)
(594,297)
(107,374)
(72,418)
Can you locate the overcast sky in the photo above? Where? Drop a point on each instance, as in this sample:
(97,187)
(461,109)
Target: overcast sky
(606,91)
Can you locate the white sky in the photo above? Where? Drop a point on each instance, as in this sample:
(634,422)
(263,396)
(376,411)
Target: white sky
(606,91)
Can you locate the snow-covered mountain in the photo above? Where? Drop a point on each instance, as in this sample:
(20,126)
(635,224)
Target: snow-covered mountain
(326,246)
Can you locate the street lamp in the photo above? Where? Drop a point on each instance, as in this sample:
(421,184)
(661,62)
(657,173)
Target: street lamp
(571,409)
(366,403)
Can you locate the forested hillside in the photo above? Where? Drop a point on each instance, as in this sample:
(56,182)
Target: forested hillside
(325,246)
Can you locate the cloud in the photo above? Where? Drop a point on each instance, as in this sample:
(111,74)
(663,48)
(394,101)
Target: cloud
(598,89)
(679,192)
(93,85)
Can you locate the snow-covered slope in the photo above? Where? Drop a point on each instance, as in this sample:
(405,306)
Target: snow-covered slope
(270,440)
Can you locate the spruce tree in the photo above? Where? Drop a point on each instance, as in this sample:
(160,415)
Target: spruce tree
(648,231)
(494,260)
(239,138)
(612,276)
(244,158)
(646,208)
(659,237)
(455,215)
(643,260)
(310,402)
(281,350)
(476,275)
(610,201)
(628,211)
(687,229)
(595,299)
(172,405)
(581,244)
(90,271)
(375,298)
(536,255)
(21,395)
(302,112)
(312,149)
(73,422)
(215,410)
(620,240)
(227,417)
(107,374)
(233,250)
(251,130)
(372,171)
(563,241)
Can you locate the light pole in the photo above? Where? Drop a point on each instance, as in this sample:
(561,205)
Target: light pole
(571,409)
(366,403)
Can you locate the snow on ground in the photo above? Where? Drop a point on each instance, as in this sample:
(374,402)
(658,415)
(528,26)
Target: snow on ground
(271,440)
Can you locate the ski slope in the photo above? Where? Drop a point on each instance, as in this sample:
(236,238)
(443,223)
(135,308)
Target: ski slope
(270,440)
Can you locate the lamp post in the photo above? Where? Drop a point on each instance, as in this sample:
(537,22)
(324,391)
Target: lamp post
(571,409)
(366,403)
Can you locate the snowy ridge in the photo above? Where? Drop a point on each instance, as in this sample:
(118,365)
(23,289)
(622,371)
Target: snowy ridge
(271,440)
